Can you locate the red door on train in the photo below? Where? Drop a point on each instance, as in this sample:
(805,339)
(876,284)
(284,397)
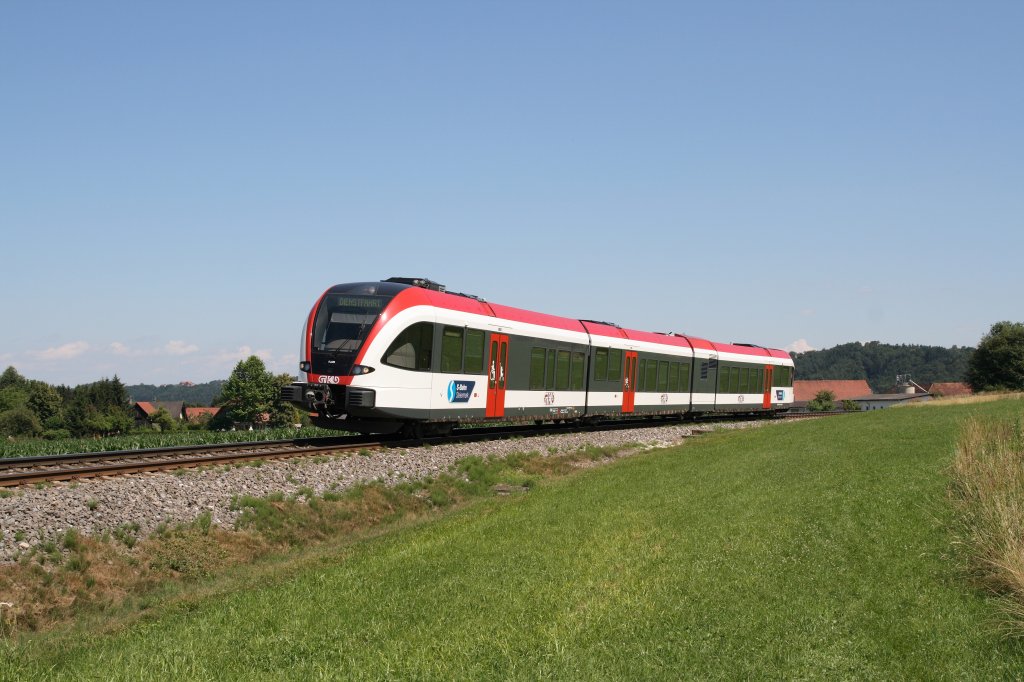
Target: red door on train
(629,383)
(496,375)
(767,402)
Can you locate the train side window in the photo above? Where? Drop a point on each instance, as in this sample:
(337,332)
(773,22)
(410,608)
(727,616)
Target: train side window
(562,371)
(673,378)
(744,380)
(451,349)
(662,376)
(684,377)
(723,380)
(651,382)
(537,358)
(641,376)
(549,374)
(413,348)
(614,364)
(579,366)
(734,380)
(601,364)
(474,351)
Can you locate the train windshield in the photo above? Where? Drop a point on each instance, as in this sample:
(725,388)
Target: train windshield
(344,320)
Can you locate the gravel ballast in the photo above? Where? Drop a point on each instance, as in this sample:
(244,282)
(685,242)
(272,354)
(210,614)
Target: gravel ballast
(35,514)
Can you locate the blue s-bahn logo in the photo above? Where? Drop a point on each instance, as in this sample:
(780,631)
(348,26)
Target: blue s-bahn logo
(460,391)
(780,395)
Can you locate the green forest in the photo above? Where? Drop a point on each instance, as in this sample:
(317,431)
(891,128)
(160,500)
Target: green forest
(879,363)
(193,395)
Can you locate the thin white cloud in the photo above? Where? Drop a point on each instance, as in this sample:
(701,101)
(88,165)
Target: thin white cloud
(799,346)
(242,353)
(118,348)
(66,352)
(180,348)
(175,348)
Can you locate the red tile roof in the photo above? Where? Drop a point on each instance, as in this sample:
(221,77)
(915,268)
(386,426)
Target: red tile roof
(194,413)
(843,389)
(147,408)
(950,388)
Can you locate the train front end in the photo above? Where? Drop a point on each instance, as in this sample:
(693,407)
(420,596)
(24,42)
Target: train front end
(335,378)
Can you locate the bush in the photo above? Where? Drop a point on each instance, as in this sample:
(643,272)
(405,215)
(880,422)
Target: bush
(20,421)
(824,401)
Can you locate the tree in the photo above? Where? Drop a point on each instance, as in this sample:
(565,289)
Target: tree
(850,406)
(824,401)
(44,400)
(998,362)
(98,408)
(163,421)
(10,377)
(20,422)
(249,392)
(283,413)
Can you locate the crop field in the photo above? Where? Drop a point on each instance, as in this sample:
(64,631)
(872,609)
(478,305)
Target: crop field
(32,447)
(814,549)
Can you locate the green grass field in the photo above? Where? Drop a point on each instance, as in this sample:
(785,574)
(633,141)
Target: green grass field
(813,549)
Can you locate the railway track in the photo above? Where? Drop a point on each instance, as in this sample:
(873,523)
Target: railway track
(26,470)
(23,470)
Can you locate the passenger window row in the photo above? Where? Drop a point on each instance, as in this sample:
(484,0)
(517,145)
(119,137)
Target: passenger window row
(558,370)
(740,379)
(734,379)
(462,349)
(607,364)
(661,376)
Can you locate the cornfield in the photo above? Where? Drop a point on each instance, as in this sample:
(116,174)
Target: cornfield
(30,447)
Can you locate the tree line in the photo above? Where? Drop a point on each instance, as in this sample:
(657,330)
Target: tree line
(36,409)
(193,395)
(996,364)
(879,363)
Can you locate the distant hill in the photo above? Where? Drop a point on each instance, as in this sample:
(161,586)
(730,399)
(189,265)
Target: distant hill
(200,395)
(879,363)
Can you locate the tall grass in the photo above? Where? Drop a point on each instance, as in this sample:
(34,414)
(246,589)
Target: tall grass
(988,494)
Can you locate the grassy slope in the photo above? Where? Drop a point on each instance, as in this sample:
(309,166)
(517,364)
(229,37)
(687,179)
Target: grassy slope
(810,549)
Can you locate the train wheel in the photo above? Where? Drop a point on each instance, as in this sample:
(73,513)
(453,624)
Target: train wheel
(440,430)
(413,430)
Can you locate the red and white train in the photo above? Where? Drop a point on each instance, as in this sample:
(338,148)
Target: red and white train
(404,354)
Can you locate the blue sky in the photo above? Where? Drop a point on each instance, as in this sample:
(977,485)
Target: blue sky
(180,181)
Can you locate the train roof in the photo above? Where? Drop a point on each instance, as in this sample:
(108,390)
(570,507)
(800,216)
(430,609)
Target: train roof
(409,292)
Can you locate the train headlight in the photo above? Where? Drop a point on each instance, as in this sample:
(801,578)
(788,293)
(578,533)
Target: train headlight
(304,366)
(360,369)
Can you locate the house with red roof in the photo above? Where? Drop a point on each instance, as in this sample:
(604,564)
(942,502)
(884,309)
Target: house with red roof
(949,389)
(200,414)
(804,390)
(144,410)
